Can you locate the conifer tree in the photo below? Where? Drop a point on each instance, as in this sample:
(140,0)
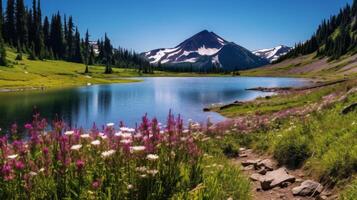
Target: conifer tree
(70,39)
(9,29)
(108,52)
(77,47)
(86,52)
(21,27)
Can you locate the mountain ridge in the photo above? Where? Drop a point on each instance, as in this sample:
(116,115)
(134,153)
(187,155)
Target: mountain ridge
(203,52)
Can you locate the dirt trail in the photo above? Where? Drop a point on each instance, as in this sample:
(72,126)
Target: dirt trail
(276,193)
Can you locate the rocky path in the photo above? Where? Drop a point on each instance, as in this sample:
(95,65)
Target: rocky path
(270,182)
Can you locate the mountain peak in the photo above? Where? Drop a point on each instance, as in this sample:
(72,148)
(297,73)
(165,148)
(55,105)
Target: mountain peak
(203,39)
(205,49)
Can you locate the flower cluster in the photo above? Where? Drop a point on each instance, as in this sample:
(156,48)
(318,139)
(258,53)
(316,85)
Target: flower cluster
(76,163)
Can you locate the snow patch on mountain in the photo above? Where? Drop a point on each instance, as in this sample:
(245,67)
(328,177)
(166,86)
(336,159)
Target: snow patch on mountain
(272,54)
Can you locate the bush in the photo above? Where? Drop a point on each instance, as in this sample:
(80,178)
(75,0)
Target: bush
(292,149)
(18,56)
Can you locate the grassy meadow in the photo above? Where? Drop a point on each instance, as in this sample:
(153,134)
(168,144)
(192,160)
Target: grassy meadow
(305,130)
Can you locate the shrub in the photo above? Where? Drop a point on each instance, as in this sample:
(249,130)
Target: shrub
(18,56)
(292,149)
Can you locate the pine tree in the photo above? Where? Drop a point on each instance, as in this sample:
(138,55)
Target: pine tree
(1,17)
(46,32)
(3,61)
(9,29)
(108,52)
(70,39)
(21,28)
(77,57)
(86,52)
(56,37)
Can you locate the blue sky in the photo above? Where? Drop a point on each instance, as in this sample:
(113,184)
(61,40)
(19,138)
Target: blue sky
(148,24)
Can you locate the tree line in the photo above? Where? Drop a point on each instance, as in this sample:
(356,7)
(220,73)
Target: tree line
(334,37)
(58,38)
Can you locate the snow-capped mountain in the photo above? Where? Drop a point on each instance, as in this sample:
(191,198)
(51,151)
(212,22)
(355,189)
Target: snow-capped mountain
(206,50)
(273,54)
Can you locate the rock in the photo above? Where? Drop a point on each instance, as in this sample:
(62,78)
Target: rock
(206,109)
(243,155)
(299,180)
(250,162)
(275,178)
(322,197)
(350,108)
(248,168)
(285,184)
(262,171)
(267,164)
(308,188)
(256,177)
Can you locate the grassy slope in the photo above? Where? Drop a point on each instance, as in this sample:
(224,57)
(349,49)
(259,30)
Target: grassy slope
(49,74)
(322,142)
(310,67)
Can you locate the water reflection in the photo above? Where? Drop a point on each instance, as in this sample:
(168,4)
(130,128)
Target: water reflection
(80,107)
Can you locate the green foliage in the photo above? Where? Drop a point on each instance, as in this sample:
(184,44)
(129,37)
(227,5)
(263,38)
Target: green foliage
(332,38)
(19,57)
(292,148)
(350,192)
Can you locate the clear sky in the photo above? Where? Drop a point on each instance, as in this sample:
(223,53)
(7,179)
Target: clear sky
(148,24)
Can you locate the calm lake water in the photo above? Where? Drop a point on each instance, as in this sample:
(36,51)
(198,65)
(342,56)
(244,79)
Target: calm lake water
(82,106)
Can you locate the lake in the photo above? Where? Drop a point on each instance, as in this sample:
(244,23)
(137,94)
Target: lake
(80,107)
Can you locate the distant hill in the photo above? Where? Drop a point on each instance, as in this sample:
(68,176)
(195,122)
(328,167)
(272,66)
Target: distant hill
(205,51)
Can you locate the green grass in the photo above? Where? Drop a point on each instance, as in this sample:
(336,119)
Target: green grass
(331,70)
(29,74)
(50,74)
(279,102)
(323,142)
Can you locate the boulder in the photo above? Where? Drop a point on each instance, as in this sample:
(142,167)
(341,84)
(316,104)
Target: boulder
(308,188)
(276,178)
(267,164)
(350,108)
(250,162)
(262,171)
(256,177)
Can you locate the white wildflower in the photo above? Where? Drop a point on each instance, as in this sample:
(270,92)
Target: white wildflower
(152,172)
(85,136)
(95,143)
(104,137)
(41,170)
(137,149)
(125,141)
(12,156)
(76,147)
(152,157)
(33,174)
(69,133)
(141,169)
(110,124)
(130,186)
(106,154)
